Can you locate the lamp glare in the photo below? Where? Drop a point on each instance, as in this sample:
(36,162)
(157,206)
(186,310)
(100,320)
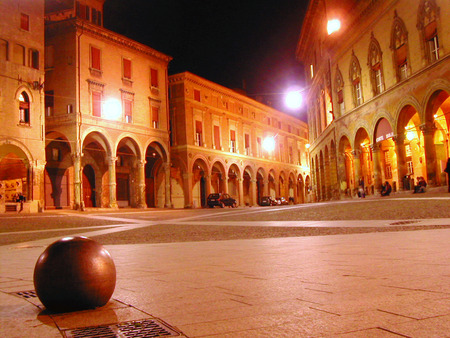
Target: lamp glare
(294,99)
(269,144)
(112,109)
(333,26)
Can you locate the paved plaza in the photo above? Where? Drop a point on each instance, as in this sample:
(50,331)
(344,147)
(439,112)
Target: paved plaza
(381,270)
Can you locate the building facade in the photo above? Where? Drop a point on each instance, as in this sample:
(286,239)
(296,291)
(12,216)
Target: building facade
(22,135)
(218,145)
(106,110)
(378,103)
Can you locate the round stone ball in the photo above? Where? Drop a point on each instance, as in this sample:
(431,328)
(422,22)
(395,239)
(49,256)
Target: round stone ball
(74,273)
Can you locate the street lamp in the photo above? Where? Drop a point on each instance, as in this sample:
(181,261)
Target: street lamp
(333,26)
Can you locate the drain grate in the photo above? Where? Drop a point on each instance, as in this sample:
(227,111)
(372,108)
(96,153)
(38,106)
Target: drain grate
(141,328)
(26,294)
(402,222)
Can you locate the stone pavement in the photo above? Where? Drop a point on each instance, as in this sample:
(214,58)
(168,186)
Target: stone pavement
(361,285)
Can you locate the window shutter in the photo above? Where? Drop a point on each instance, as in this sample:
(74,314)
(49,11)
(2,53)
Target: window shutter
(198,127)
(24,22)
(400,54)
(430,30)
(233,135)
(153,77)
(127,68)
(128,107)
(155,114)
(247,141)
(217,136)
(197,95)
(96,104)
(95,58)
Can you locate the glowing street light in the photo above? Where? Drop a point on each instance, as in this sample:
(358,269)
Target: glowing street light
(333,26)
(112,109)
(293,99)
(269,144)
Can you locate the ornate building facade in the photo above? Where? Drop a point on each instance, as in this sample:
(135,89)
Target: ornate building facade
(107,139)
(22,133)
(378,102)
(218,139)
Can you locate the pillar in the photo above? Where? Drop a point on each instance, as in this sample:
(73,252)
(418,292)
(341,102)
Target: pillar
(141,184)
(168,194)
(112,182)
(187,186)
(78,202)
(401,159)
(241,191)
(430,153)
(254,190)
(377,174)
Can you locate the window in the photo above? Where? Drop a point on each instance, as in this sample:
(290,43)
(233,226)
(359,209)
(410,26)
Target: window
(291,155)
(95,59)
(376,74)
(355,77)
(96,17)
(311,71)
(410,167)
(299,157)
(3,50)
(24,108)
(427,24)
(82,11)
(56,154)
(34,58)
(97,104)
(217,137)
(49,102)
(232,141)
(49,56)
(155,117)
(154,78)
(19,54)
(247,144)
(24,22)
(198,133)
(197,95)
(399,45)
(128,110)
(126,68)
(339,88)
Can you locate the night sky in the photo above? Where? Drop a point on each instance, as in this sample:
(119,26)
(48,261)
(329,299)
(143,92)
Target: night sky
(234,43)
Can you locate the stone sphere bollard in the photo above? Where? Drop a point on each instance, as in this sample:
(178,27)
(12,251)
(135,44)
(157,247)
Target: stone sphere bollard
(74,273)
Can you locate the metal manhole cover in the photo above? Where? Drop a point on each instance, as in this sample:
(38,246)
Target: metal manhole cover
(141,328)
(402,222)
(26,294)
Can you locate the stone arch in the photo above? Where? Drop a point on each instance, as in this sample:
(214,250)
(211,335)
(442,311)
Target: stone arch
(199,176)
(128,164)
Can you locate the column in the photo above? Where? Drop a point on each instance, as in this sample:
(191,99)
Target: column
(401,159)
(168,195)
(78,202)
(208,185)
(430,153)
(356,166)
(36,186)
(296,199)
(141,185)
(241,191)
(378,181)
(254,191)
(112,182)
(225,182)
(187,186)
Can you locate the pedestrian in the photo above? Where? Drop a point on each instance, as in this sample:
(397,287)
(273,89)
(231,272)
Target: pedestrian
(447,170)
(386,189)
(20,198)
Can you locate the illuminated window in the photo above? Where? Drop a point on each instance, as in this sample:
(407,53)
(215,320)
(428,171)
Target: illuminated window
(428,15)
(24,22)
(49,102)
(24,108)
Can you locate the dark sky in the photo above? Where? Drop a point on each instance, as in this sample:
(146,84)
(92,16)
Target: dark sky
(228,41)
